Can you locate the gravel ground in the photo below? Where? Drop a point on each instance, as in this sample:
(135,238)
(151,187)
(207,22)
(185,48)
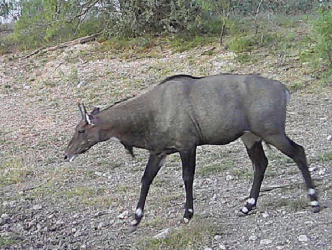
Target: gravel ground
(46,203)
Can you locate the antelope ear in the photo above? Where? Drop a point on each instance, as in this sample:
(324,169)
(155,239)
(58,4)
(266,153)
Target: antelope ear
(95,111)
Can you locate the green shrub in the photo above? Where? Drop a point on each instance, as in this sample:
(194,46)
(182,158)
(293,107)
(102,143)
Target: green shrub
(240,44)
(196,235)
(47,22)
(318,49)
(186,42)
(323,32)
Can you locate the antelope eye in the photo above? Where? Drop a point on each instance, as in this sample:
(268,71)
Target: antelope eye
(81,131)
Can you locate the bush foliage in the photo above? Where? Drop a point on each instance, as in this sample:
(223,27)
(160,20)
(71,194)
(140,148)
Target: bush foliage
(323,28)
(42,22)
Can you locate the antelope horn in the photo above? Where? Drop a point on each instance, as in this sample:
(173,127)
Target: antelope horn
(86,115)
(84,109)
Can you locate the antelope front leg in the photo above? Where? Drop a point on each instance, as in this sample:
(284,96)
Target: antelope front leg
(154,164)
(188,171)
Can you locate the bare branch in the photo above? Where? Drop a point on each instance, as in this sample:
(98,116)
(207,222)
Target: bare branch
(256,16)
(86,7)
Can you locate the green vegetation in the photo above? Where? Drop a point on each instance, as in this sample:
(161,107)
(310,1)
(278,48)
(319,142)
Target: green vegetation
(6,242)
(49,22)
(294,204)
(13,171)
(197,235)
(325,157)
(322,29)
(183,43)
(155,222)
(215,168)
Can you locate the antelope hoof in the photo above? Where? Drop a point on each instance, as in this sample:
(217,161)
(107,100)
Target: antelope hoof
(188,214)
(315,206)
(316,209)
(185,220)
(244,211)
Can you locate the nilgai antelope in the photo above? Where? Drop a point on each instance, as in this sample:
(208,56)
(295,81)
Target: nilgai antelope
(183,112)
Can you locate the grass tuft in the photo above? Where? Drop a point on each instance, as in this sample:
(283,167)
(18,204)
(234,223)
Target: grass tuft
(196,235)
(6,242)
(215,168)
(13,171)
(327,156)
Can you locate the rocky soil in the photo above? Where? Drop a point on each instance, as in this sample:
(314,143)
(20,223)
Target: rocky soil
(46,203)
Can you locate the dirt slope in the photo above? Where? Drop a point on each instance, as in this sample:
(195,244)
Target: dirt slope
(46,203)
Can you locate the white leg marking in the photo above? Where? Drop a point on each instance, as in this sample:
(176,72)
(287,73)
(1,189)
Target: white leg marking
(134,222)
(190,210)
(139,212)
(311,191)
(314,203)
(251,201)
(245,210)
(185,220)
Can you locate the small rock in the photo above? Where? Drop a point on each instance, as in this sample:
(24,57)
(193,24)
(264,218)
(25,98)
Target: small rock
(253,238)
(313,168)
(26,86)
(60,222)
(217,237)
(37,207)
(73,230)
(99,213)
(78,234)
(265,215)
(222,246)
(8,203)
(223,201)
(162,234)
(4,217)
(100,225)
(229,177)
(81,83)
(265,242)
(321,171)
(83,246)
(329,138)
(123,215)
(208,248)
(302,238)
(98,173)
